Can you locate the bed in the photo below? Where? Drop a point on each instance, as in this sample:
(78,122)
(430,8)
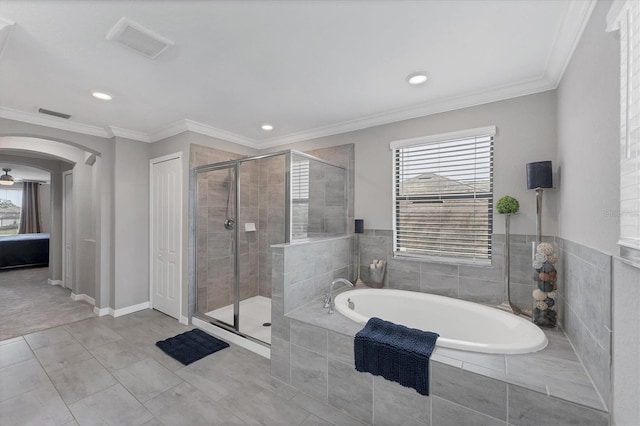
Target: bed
(24,250)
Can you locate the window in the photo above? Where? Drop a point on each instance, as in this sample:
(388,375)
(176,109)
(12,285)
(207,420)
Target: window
(299,197)
(10,204)
(443,195)
(625,16)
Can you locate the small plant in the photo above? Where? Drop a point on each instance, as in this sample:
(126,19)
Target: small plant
(507,205)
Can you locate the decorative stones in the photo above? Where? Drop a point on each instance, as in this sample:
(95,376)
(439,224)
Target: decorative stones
(546,283)
(539,294)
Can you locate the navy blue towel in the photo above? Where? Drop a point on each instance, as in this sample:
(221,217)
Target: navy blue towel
(191,346)
(395,352)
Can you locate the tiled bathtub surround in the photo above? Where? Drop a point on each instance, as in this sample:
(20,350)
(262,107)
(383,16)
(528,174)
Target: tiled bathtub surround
(584,284)
(303,272)
(466,388)
(585,308)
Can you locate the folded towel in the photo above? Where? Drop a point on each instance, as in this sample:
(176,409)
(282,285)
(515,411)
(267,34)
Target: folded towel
(395,352)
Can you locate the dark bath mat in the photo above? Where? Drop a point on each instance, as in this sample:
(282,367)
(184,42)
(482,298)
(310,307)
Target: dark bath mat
(191,346)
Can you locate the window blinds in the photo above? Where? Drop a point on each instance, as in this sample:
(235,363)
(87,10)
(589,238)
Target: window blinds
(443,197)
(300,180)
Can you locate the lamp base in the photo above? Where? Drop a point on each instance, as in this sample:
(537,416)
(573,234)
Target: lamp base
(359,283)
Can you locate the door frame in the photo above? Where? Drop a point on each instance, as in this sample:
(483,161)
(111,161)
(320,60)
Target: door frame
(153,162)
(64,230)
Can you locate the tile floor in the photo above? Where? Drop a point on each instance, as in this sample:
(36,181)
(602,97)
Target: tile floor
(108,371)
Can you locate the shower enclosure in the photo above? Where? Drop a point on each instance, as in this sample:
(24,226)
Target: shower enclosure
(243,207)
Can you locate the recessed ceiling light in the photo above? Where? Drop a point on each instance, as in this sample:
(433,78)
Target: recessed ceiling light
(101,95)
(417,78)
(267,127)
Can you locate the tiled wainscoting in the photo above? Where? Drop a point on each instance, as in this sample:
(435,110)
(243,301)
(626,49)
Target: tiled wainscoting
(466,388)
(313,351)
(303,271)
(585,308)
(482,284)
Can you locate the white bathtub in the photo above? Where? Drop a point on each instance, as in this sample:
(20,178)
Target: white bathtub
(460,324)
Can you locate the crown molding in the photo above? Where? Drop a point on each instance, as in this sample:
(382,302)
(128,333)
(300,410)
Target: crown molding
(203,129)
(56,123)
(168,131)
(567,37)
(500,93)
(129,134)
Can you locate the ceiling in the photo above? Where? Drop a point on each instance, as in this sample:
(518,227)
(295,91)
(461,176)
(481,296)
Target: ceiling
(309,68)
(21,172)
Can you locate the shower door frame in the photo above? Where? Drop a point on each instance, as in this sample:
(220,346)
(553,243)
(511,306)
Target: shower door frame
(193,204)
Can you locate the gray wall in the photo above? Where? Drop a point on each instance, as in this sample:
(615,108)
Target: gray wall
(588,138)
(131,220)
(588,205)
(626,344)
(526,132)
(44,198)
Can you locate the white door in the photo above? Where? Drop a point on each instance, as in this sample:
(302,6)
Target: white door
(67,229)
(166,238)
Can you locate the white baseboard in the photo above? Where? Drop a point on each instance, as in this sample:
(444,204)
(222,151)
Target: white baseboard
(233,338)
(129,309)
(83,298)
(183,320)
(55,282)
(101,312)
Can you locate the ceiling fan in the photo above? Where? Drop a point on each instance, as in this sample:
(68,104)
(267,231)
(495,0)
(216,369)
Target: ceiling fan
(6,178)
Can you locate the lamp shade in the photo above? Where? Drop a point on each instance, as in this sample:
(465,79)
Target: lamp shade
(359,226)
(539,175)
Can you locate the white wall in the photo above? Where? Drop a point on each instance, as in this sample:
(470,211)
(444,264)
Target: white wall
(526,132)
(588,138)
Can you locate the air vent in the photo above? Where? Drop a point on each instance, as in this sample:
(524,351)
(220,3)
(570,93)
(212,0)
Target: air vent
(54,113)
(138,38)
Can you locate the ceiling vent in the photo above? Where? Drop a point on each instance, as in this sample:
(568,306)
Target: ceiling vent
(138,38)
(54,113)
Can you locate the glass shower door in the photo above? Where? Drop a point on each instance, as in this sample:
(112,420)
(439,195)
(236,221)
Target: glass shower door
(216,226)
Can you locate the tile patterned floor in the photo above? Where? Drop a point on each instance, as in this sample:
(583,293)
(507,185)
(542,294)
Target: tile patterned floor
(108,371)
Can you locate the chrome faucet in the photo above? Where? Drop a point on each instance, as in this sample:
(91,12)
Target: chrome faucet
(328,297)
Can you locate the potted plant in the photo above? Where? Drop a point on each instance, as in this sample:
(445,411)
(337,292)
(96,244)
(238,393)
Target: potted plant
(507,206)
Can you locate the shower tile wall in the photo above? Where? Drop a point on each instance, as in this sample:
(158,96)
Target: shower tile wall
(213,241)
(344,156)
(248,244)
(271,224)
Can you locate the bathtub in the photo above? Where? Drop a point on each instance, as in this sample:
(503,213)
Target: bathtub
(461,325)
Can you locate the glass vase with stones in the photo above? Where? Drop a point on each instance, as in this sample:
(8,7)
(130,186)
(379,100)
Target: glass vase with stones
(545,288)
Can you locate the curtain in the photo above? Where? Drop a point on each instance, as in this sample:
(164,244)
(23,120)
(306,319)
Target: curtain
(30,213)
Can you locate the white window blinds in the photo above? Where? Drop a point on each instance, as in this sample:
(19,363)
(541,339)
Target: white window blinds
(300,180)
(625,16)
(443,195)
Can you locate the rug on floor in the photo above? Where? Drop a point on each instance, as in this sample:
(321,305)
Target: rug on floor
(191,346)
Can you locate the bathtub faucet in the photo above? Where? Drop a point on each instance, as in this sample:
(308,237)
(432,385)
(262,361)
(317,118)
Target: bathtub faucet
(328,298)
